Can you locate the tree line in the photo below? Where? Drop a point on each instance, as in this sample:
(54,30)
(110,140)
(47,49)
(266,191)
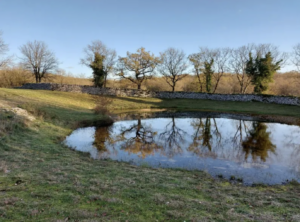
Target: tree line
(252,64)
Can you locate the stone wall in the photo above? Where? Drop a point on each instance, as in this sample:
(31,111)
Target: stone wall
(287,100)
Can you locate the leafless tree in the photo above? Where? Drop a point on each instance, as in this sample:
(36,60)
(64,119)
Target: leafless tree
(3,50)
(173,65)
(221,57)
(137,67)
(197,61)
(263,49)
(296,56)
(238,61)
(38,59)
(221,64)
(108,54)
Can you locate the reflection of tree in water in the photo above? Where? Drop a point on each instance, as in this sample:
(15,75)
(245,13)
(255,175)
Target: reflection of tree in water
(203,136)
(258,142)
(103,138)
(207,141)
(242,127)
(238,136)
(141,143)
(101,135)
(207,134)
(294,160)
(173,138)
(291,143)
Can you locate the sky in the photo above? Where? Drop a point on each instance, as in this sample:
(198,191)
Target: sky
(68,26)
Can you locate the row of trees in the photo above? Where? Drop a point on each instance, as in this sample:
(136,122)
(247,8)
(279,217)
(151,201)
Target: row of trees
(209,65)
(251,64)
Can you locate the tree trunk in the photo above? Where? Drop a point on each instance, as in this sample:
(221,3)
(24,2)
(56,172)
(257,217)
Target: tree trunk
(104,84)
(200,82)
(139,86)
(216,86)
(173,88)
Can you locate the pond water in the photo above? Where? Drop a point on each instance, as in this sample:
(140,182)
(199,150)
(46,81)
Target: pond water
(241,150)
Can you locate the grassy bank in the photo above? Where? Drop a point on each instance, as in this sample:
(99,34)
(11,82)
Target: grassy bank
(42,180)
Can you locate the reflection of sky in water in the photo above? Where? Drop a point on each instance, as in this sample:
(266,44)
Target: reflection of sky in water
(181,143)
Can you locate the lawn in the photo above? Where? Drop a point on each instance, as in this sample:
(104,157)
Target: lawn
(43,180)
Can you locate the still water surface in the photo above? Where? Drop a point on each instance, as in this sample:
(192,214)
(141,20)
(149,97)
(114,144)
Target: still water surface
(255,152)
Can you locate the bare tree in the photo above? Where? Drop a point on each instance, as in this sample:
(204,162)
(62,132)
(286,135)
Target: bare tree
(263,49)
(173,65)
(3,49)
(221,64)
(137,67)
(296,56)
(109,57)
(197,61)
(39,59)
(238,61)
(221,57)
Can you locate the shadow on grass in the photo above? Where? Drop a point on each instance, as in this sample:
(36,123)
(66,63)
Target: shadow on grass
(212,105)
(59,115)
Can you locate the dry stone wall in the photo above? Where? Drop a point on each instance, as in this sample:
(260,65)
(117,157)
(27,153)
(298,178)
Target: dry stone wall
(287,100)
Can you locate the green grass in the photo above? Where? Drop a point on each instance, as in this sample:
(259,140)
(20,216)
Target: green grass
(42,180)
(84,102)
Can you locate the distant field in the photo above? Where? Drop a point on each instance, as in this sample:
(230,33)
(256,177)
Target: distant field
(42,180)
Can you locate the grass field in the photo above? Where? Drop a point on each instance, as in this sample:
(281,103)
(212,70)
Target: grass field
(42,180)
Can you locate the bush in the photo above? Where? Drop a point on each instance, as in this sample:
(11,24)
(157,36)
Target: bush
(102,103)
(286,84)
(14,77)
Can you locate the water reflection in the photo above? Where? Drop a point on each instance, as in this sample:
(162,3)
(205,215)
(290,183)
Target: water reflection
(138,138)
(205,134)
(173,139)
(258,142)
(255,151)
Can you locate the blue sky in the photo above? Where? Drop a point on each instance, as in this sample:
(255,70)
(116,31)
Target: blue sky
(67,26)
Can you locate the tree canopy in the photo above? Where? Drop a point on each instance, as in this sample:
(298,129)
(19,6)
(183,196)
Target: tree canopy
(98,70)
(108,57)
(137,67)
(261,70)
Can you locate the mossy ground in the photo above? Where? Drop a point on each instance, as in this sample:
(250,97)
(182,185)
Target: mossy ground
(42,180)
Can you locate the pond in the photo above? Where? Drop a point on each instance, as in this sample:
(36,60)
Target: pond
(239,148)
